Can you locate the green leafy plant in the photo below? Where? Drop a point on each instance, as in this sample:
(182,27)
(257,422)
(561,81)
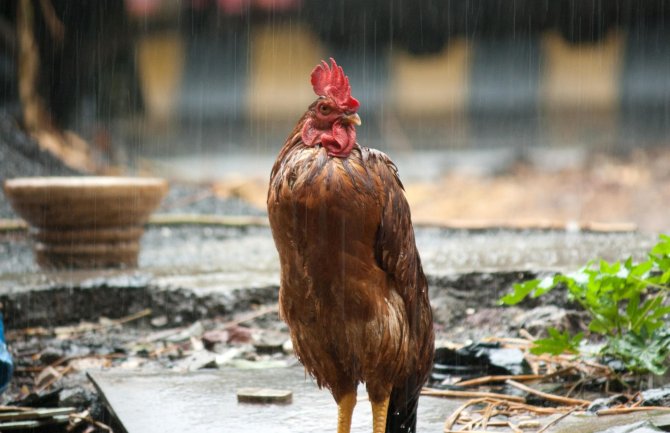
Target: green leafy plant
(557,343)
(626,303)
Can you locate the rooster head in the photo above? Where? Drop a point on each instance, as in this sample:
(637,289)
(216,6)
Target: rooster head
(331,119)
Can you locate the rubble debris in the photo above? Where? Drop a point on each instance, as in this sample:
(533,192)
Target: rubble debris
(194,330)
(79,398)
(33,399)
(537,320)
(215,336)
(197,361)
(606,403)
(270,342)
(264,395)
(493,403)
(47,376)
(159,322)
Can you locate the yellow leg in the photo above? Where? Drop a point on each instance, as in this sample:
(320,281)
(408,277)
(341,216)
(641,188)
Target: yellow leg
(345,408)
(379,411)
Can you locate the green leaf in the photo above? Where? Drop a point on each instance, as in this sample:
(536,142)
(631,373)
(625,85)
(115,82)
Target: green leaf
(557,343)
(607,268)
(662,248)
(545,286)
(641,269)
(642,354)
(520,292)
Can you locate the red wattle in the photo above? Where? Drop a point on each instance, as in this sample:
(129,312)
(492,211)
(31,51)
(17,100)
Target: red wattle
(339,141)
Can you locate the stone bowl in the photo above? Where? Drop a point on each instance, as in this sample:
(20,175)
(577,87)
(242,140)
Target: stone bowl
(85,222)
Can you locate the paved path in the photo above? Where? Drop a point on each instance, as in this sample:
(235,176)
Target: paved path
(206,402)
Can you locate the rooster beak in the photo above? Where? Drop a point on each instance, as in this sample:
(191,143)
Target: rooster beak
(353,119)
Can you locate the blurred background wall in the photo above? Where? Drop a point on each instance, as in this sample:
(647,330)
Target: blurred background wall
(164,76)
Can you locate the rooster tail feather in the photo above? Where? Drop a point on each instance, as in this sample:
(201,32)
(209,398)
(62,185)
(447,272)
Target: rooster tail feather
(403,405)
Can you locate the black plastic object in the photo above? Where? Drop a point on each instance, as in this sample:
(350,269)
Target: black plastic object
(476,360)
(656,397)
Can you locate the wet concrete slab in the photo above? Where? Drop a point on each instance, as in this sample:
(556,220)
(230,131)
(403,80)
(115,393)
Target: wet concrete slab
(594,423)
(205,402)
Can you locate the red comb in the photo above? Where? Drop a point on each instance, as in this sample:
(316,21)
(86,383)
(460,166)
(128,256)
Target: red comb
(330,81)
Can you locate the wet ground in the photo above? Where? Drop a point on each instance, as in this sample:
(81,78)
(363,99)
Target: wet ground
(211,287)
(201,283)
(206,402)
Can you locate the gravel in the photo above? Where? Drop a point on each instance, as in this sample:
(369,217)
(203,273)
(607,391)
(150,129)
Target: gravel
(199,199)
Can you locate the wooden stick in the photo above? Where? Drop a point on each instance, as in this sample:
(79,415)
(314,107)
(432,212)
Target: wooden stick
(32,414)
(470,394)
(487,416)
(624,410)
(508,340)
(115,322)
(54,379)
(501,378)
(12,225)
(449,423)
(15,409)
(550,397)
(135,316)
(88,419)
(536,409)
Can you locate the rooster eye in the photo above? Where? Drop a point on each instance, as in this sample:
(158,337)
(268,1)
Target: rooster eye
(324,109)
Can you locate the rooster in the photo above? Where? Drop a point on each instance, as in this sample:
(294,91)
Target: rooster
(352,290)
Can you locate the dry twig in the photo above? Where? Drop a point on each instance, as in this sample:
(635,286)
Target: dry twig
(624,410)
(76,418)
(547,396)
(470,394)
(488,379)
(449,423)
